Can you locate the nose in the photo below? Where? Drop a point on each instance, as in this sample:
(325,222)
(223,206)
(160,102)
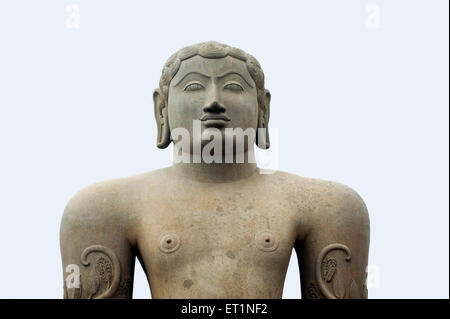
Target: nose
(213,104)
(214,107)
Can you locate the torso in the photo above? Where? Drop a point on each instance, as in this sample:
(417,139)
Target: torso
(226,240)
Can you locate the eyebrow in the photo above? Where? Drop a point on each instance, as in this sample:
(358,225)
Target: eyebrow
(219,77)
(233,72)
(193,72)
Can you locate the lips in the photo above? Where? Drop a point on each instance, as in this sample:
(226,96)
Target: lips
(215,120)
(215,117)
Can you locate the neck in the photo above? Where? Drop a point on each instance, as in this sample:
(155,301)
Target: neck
(217,172)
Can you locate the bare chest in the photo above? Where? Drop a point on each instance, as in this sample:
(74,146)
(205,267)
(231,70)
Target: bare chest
(217,243)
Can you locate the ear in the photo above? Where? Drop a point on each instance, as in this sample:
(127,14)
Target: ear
(262,136)
(162,120)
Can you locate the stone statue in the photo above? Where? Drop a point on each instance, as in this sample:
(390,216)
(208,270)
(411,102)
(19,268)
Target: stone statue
(213,225)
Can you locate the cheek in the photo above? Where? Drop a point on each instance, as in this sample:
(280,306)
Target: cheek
(183,109)
(243,110)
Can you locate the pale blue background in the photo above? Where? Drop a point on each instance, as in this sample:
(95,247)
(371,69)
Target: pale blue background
(366,107)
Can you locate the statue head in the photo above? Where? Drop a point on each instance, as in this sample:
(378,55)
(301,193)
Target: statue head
(217,84)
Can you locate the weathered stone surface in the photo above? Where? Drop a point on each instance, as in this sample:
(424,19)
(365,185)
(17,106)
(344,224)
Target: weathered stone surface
(214,230)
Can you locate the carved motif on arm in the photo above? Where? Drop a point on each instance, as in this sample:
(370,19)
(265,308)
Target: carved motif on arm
(105,272)
(325,271)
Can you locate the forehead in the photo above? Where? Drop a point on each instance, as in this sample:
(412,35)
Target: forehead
(213,67)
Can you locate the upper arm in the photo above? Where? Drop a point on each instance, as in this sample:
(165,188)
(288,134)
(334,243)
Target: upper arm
(333,257)
(98,261)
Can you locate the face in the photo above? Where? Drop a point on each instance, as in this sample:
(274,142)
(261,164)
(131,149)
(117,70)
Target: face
(220,93)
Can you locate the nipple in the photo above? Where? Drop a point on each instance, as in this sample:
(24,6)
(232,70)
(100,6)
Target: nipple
(169,242)
(266,241)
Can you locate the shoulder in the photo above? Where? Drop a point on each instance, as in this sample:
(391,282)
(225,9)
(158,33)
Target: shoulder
(345,205)
(341,208)
(94,203)
(322,199)
(110,200)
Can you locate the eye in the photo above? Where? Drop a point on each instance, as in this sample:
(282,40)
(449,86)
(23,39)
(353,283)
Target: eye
(233,87)
(195,86)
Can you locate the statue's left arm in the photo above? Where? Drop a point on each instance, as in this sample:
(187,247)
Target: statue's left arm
(333,255)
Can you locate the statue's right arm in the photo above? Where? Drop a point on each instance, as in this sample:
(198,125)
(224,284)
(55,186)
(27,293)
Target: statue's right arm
(97,251)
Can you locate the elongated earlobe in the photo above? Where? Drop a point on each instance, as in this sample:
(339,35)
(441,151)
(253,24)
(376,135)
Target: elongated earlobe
(162,120)
(262,136)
